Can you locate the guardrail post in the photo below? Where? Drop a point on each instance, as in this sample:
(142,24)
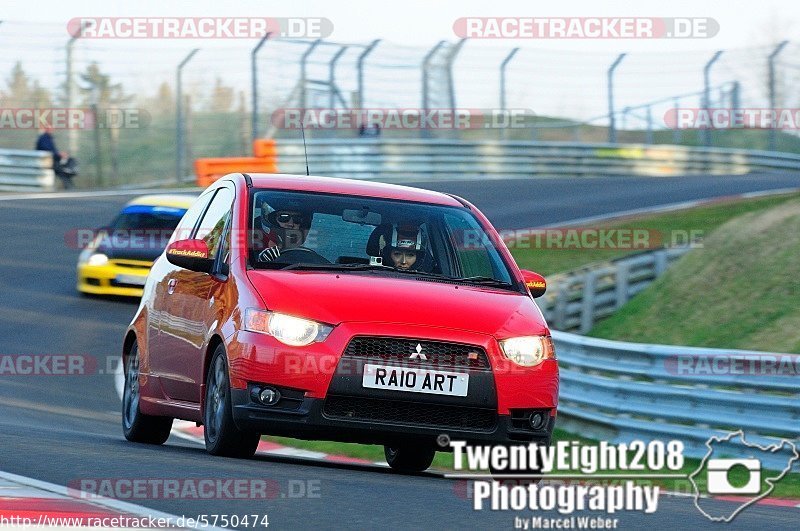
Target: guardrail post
(503,66)
(612,126)
(560,308)
(660,262)
(180,141)
(772,96)
(303,73)
(707,93)
(425,94)
(621,283)
(254,85)
(360,70)
(587,308)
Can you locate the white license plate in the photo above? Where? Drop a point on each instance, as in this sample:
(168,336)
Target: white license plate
(131,279)
(415,380)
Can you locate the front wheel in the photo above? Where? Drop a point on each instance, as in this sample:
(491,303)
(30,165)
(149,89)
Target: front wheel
(409,458)
(222,436)
(137,426)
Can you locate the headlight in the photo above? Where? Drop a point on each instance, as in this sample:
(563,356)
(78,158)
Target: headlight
(97,259)
(293,331)
(529,350)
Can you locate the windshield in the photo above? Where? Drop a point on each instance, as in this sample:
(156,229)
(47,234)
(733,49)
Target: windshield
(148,218)
(302,230)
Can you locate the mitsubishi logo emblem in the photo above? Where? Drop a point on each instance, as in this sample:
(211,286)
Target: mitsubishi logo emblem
(418,355)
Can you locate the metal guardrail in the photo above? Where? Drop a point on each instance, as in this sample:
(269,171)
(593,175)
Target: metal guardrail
(620,392)
(576,300)
(22,170)
(388,159)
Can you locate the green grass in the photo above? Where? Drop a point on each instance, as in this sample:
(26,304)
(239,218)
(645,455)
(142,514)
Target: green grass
(788,487)
(703,219)
(741,290)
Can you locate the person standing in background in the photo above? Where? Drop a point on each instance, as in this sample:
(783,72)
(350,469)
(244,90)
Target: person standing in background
(46,142)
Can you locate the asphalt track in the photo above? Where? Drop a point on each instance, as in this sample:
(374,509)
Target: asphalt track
(63,428)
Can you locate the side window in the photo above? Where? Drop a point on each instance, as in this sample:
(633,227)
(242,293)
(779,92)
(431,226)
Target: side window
(213,224)
(184,229)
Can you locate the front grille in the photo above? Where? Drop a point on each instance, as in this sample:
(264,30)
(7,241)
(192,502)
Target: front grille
(403,412)
(397,350)
(135,264)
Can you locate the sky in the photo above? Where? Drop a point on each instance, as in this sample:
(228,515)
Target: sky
(552,75)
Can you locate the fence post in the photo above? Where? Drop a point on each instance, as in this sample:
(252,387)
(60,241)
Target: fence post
(660,262)
(360,69)
(649,135)
(180,141)
(254,85)
(332,78)
(503,66)
(560,306)
(707,93)
(772,96)
(72,134)
(676,130)
(303,74)
(612,126)
(425,75)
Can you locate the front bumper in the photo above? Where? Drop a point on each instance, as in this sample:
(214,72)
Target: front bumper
(325,398)
(113,279)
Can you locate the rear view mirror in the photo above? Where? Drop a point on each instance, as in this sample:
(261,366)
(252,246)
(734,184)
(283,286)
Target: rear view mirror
(363,216)
(535,283)
(190,254)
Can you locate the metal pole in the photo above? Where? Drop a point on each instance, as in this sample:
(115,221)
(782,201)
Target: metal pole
(649,136)
(72,135)
(772,95)
(303,64)
(707,93)
(254,85)
(425,75)
(332,75)
(451,57)
(360,67)
(180,142)
(676,131)
(612,126)
(503,66)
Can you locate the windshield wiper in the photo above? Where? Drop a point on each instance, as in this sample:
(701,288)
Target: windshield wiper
(337,267)
(489,281)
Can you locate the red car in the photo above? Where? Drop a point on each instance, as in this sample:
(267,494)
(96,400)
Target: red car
(343,310)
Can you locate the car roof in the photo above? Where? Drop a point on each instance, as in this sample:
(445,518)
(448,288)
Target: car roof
(336,185)
(164,200)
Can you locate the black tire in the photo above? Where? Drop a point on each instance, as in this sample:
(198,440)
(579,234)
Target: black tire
(222,436)
(137,426)
(409,459)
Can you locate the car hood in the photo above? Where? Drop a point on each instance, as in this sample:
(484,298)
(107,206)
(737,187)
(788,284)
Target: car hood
(144,248)
(374,297)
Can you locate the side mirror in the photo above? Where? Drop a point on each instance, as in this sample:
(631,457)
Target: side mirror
(535,283)
(190,254)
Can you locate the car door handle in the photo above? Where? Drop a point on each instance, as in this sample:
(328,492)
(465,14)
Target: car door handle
(171,286)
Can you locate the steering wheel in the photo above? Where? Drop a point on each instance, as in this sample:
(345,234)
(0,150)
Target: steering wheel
(304,255)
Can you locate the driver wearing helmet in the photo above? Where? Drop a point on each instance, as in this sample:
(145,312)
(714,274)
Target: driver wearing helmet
(281,229)
(406,249)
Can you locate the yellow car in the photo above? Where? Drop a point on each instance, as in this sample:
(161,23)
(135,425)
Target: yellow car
(119,257)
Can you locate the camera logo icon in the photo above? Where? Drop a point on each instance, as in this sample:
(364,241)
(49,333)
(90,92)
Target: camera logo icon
(719,476)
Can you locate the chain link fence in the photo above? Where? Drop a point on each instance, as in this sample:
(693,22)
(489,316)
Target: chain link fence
(179,99)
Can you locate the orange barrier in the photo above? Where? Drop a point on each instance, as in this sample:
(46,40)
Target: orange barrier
(265,161)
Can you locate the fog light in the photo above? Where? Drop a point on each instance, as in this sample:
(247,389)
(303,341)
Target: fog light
(269,396)
(537,421)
